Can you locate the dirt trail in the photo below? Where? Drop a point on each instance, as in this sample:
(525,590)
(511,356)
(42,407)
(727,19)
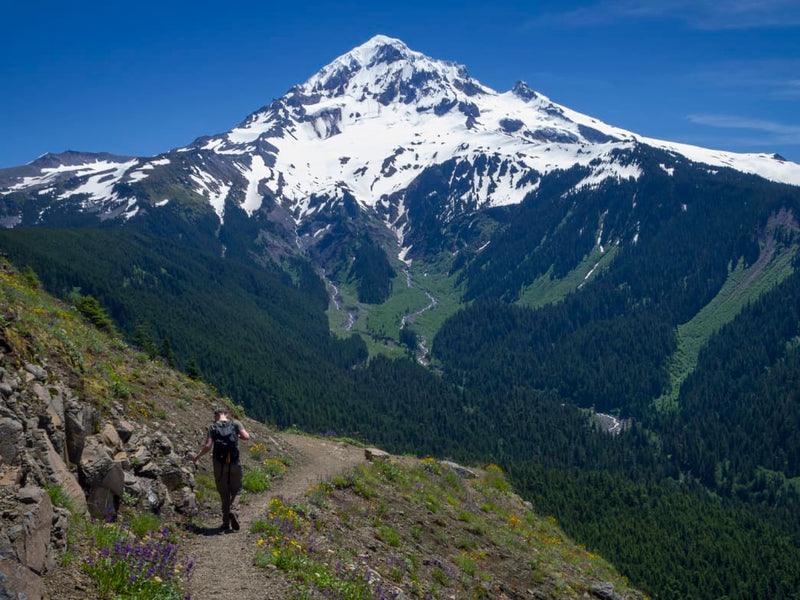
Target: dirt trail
(224,567)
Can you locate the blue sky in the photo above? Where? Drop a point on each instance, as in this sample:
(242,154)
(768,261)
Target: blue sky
(143,77)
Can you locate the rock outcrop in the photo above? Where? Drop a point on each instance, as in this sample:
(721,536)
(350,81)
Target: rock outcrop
(59,455)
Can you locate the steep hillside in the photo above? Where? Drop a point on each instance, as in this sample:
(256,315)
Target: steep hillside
(99,497)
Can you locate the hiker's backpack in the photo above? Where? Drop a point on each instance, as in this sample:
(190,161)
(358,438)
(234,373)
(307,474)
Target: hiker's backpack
(226,441)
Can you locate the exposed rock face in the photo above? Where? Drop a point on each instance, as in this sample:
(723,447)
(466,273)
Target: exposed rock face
(91,461)
(10,440)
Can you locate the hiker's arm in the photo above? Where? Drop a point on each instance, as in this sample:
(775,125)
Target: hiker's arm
(243,434)
(204,450)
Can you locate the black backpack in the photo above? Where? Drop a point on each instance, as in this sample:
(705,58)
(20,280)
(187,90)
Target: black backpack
(226,441)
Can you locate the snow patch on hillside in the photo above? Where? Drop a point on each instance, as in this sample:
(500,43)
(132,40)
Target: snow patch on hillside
(100,186)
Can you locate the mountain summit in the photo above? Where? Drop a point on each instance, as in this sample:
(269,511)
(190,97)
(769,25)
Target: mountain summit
(366,127)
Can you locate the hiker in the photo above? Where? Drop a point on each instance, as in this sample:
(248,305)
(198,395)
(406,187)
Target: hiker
(223,436)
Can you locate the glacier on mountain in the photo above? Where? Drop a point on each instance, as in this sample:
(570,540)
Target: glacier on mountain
(370,122)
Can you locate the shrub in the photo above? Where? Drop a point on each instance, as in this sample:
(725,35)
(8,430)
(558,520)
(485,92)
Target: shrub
(256,480)
(90,308)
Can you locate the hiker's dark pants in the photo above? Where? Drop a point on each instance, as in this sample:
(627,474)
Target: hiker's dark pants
(228,477)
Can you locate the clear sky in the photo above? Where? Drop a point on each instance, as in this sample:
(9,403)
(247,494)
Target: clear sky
(139,78)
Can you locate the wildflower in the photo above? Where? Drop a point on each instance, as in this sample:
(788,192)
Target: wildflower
(260,542)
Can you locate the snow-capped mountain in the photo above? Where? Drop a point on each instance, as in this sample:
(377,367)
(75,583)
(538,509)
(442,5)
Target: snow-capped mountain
(364,128)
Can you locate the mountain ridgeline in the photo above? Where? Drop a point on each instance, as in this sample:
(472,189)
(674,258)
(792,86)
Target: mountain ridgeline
(555,265)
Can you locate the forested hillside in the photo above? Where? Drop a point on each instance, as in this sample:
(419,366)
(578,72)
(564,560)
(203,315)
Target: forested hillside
(670,300)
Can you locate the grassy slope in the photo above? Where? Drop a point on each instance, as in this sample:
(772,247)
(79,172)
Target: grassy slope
(546,290)
(742,287)
(431,534)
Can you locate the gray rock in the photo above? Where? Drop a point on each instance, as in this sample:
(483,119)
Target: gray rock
(19,582)
(185,500)
(79,422)
(131,485)
(151,470)
(102,477)
(56,407)
(95,462)
(376,455)
(125,429)
(41,393)
(111,437)
(175,477)
(32,546)
(38,372)
(157,496)
(162,444)
(11,478)
(605,591)
(11,439)
(56,471)
(30,495)
(141,457)
(6,389)
(460,471)
(123,459)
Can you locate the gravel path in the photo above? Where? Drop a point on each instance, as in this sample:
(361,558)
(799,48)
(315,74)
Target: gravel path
(224,567)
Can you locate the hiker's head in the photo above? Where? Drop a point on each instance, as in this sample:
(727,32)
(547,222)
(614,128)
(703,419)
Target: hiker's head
(220,413)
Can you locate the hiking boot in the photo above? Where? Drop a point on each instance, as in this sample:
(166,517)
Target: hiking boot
(234,522)
(225,525)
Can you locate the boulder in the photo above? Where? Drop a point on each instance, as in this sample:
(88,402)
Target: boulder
(33,541)
(58,533)
(11,439)
(125,429)
(56,471)
(459,470)
(161,444)
(141,457)
(151,470)
(131,485)
(110,437)
(605,591)
(39,374)
(95,462)
(11,477)
(102,477)
(79,422)
(123,459)
(18,581)
(174,476)
(185,500)
(375,455)
(156,494)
